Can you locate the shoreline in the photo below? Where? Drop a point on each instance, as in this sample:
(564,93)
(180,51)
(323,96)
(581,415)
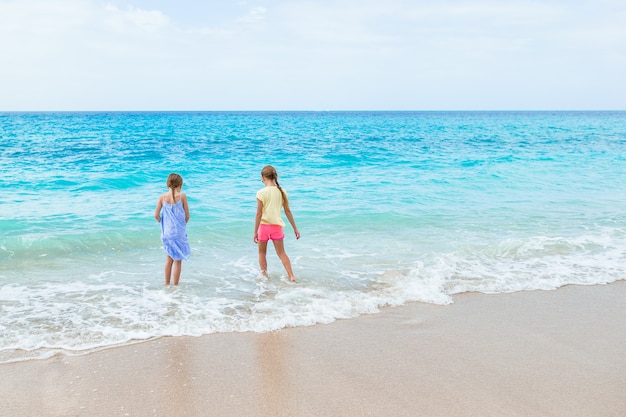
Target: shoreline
(532,353)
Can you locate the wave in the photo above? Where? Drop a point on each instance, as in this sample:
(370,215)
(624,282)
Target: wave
(116,307)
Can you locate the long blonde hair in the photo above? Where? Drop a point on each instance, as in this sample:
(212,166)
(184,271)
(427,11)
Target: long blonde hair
(173,182)
(270,173)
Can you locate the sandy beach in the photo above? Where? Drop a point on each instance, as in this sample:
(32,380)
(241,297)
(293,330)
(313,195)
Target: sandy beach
(539,353)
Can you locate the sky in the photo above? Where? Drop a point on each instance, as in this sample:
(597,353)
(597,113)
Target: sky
(92,55)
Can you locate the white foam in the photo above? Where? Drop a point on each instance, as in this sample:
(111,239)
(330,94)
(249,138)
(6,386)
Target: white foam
(119,306)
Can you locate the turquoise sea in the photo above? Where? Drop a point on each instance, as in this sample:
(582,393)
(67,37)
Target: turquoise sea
(393,207)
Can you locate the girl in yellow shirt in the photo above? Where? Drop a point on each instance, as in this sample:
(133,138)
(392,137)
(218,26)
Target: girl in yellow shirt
(269,224)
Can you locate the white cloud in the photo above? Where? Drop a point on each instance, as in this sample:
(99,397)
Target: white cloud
(135,18)
(255,14)
(42,17)
(142,54)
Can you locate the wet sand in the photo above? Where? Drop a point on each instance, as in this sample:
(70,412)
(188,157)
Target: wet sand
(540,353)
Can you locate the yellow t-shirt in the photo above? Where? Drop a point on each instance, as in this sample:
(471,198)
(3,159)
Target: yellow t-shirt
(272,200)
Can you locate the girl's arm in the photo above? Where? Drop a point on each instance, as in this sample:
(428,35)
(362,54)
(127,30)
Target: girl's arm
(290,218)
(185,206)
(157,211)
(257,220)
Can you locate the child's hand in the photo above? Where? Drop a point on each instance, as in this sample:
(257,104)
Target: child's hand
(297,234)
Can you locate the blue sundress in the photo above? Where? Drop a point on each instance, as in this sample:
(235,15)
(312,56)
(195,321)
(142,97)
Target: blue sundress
(174,231)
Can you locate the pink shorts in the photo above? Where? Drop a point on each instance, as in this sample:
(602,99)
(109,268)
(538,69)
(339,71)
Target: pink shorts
(270,232)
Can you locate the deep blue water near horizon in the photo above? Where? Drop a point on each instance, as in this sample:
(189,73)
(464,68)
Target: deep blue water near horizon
(393,207)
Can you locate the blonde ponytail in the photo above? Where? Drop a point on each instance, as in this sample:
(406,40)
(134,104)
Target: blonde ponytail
(270,173)
(173,182)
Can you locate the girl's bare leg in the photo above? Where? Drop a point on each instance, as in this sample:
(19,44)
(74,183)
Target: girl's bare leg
(168,269)
(178,266)
(263,257)
(280,251)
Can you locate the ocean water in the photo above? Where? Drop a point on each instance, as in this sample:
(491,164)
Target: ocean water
(393,207)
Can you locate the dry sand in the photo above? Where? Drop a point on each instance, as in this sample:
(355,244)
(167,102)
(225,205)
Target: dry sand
(539,353)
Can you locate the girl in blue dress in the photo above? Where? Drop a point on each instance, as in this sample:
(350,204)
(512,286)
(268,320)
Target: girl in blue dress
(172,212)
